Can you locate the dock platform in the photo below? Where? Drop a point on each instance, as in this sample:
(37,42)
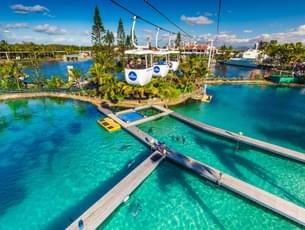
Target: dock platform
(284,152)
(246,190)
(259,196)
(103,208)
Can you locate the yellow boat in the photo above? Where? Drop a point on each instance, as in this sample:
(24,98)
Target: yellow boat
(109,124)
(206,98)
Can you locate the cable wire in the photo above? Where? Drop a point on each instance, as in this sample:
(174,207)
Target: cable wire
(141,18)
(167,18)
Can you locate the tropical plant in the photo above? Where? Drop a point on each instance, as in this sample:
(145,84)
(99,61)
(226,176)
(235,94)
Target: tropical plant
(12,71)
(55,82)
(77,76)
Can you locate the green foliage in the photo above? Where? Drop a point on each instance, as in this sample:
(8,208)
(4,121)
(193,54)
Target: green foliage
(286,54)
(77,76)
(109,38)
(11,74)
(170,87)
(178,40)
(120,34)
(98,29)
(225,53)
(56,82)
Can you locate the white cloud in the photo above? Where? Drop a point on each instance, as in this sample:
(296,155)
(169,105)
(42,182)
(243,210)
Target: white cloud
(248,31)
(22,9)
(48,29)
(17,26)
(199,20)
(293,35)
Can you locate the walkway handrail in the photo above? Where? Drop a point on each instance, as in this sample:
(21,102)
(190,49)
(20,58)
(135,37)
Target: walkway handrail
(40,90)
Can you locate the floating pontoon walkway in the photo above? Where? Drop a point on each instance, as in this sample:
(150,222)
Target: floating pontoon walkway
(162,112)
(284,152)
(259,196)
(103,208)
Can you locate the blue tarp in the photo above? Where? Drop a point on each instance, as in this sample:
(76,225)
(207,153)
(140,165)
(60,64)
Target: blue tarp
(131,116)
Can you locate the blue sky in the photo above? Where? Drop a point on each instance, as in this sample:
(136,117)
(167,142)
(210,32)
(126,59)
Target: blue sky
(69,21)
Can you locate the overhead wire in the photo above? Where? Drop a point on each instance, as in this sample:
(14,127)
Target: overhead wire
(167,18)
(140,17)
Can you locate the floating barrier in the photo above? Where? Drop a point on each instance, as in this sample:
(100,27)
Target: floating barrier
(109,124)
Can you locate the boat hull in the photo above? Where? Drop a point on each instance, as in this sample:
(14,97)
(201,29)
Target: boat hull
(286,79)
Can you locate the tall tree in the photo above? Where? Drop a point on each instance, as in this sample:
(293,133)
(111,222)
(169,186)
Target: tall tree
(98,29)
(109,38)
(178,40)
(128,41)
(120,33)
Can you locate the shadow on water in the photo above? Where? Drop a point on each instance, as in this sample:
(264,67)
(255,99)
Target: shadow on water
(292,135)
(75,128)
(20,109)
(73,212)
(33,152)
(178,178)
(230,157)
(11,192)
(3,123)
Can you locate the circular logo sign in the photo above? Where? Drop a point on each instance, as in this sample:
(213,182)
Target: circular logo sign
(132,76)
(156,69)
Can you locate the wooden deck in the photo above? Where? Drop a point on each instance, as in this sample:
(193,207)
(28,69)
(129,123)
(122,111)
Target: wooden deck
(259,196)
(288,153)
(103,208)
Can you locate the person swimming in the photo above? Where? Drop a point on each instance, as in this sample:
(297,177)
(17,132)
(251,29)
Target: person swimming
(130,163)
(137,209)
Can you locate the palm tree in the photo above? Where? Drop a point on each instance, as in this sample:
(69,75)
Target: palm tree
(77,76)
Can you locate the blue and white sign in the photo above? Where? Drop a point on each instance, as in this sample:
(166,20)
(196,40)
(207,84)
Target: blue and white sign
(132,76)
(156,69)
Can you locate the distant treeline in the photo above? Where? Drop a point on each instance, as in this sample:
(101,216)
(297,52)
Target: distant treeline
(4,46)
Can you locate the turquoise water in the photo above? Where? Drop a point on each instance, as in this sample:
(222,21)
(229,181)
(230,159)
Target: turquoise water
(172,198)
(272,114)
(280,176)
(55,161)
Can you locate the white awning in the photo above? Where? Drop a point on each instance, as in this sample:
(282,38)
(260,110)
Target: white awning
(138,52)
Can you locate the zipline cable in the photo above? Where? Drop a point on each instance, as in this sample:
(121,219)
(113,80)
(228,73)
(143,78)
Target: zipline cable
(167,18)
(139,17)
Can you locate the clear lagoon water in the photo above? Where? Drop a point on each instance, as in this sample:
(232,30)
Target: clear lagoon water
(272,114)
(172,198)
(277,175)
(55,161)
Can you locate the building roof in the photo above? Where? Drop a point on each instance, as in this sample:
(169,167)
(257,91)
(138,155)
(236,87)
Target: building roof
(197,46)
(138,52)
